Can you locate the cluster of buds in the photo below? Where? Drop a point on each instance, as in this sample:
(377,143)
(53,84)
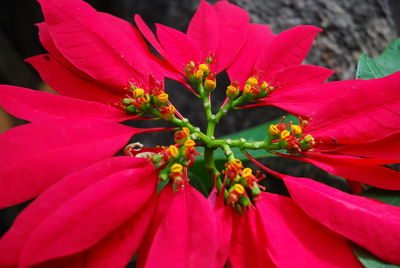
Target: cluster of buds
(201,73)
(152,101)
(251,90)
(173,160)
(290,137)
(237,179)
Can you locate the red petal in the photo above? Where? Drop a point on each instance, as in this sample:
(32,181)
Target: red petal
(296,77)
(371,224)
(34,105)
(387,148)
(203,29)
(68,83)
(179,48)
(248,244)
(115,250)
(224,218)
(369,110)
(13,241)
(186,235)
(233,29)
(362,170)
(243,66)
(288,48)
(295,240)
(90,215)
(93,44)
(36,155)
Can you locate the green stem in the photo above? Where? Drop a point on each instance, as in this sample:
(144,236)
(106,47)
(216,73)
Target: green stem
(231,104)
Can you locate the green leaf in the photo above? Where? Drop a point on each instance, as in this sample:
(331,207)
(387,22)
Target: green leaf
(385,64)
(369,260)
(162,184)
(388,197)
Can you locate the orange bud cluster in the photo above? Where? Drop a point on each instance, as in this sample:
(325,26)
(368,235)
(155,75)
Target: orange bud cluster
(149,101)
(290,137)
(174,159)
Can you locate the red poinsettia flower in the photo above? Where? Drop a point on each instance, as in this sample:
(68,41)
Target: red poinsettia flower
(65,135)
(93,55)
(213,39)
(309,229)
(100,215)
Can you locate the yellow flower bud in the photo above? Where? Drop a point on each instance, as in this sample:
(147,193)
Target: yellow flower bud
(173,150)
(199,74)
(186,130)
(204,67)
(237,163)
(285,134)
(176,168)
(247,89)
(189,143)
(239,188)
(232,92)
(210,85)
(146,98)
(296,129)
(273,129)
(163,97)
(138,92)
(247,172)
(252,81)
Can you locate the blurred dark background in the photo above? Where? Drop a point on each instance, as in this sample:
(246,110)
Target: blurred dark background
(351,27)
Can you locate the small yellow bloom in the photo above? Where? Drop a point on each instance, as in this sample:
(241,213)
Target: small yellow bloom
(199,74)
(163,97)
(247,172)
(273,129)
(173,150)
(138,92)
(204,67)
(239,188)
(252,81)
(176,168)
(285,134)
(186,130)
(296,129)
(189,143)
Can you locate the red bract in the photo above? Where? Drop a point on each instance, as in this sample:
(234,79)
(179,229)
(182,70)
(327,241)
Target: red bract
(217,31)
(93,55)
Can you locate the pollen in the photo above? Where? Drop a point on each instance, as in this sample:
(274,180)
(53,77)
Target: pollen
(236,162)
(239,188)
(273,129)
(210,84)
(252,81)
(163,97)
(186,131)
(247,89)
(189,143)
(138,92)
(285,134)
(296,129)
(146,98)
(176,168)
(247,172)
(173,150)
(199,74)
(204,67)
(232,91)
